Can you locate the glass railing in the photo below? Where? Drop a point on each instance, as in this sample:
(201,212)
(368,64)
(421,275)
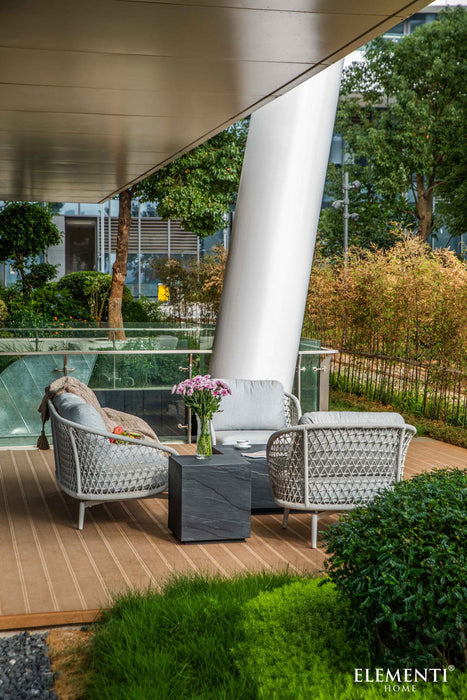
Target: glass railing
(135,375)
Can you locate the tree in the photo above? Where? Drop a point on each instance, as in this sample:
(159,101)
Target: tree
(380,223)
(198,188)
(402,115)
(119,268)
(26,231)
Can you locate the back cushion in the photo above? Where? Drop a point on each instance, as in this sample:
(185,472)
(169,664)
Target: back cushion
(253,405)
(74,408)
(351,418)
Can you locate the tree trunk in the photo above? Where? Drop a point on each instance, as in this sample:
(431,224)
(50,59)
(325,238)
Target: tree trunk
(120,265)
(424,209)
(19,266)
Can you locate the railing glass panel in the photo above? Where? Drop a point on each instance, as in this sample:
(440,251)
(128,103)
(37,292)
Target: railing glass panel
(135,375)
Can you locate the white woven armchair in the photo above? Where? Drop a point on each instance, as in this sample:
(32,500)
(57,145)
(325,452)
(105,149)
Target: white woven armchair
(335,461)
(94,470)
(255,409)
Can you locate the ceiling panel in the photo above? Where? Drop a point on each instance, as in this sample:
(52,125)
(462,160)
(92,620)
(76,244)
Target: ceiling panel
(95,94)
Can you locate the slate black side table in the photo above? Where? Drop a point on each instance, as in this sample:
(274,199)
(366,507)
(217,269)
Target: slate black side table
(209,499)
(262,498)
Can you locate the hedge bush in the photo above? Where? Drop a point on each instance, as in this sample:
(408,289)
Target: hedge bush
(90,293)
(134,312)
(401,562)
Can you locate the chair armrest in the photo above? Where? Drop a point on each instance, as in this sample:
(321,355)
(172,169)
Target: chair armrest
(292,408)
(286,459)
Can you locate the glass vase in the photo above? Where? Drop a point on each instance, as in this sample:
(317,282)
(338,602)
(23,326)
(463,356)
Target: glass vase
(203,444)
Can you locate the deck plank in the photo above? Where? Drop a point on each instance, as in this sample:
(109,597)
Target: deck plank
(54,574)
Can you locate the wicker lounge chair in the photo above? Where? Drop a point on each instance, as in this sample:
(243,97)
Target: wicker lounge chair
(95,466)
(335,461)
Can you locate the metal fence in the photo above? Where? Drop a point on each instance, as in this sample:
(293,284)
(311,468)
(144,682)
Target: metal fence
(426,389)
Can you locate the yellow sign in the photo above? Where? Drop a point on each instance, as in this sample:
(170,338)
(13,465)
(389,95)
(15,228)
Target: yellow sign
(163,292)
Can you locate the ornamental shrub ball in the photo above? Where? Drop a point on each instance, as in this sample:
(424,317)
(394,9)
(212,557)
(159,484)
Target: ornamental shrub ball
(401,563)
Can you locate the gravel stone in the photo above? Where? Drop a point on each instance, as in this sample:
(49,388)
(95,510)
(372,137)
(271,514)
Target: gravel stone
(25,670)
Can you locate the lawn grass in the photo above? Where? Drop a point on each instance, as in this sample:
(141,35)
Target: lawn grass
(177,644)
(247,638)
(437,429)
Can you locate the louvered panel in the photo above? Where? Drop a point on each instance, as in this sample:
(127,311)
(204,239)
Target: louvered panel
(182,241)
(154,236)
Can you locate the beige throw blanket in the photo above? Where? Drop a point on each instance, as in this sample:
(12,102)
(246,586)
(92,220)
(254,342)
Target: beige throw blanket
(111,416)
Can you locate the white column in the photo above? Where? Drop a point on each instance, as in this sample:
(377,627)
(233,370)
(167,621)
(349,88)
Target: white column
(271,250)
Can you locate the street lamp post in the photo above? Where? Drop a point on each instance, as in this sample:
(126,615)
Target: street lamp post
(345,204)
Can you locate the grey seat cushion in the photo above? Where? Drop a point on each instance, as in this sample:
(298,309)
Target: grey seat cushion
(339,418)
(230,437)
(116,468)
(74,408)
(253,405)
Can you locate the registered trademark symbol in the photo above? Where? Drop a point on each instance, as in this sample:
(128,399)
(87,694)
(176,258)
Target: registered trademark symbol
(450,668)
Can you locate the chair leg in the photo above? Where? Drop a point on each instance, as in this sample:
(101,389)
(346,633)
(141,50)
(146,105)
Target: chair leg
(285,517)
(314,530)
(82,507)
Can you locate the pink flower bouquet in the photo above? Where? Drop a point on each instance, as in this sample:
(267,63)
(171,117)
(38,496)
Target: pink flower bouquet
(203,395)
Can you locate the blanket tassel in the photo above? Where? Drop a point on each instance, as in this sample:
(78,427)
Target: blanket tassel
(42,442)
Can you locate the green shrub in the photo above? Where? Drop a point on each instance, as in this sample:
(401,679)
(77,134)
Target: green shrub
(153,310)
(134,312)
(90,292)
(56,304)
(39,274)
(401,562)
(3,312)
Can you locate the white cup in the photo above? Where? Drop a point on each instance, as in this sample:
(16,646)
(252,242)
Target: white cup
(243,443)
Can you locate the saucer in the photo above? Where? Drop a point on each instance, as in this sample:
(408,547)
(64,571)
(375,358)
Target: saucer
(245,446)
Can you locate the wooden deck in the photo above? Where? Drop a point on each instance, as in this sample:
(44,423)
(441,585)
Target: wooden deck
(51,573)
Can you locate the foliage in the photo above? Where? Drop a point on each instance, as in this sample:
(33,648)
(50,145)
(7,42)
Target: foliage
(195,287)
(39,274)
(3,312)
(26,230)
(436,429)
(402,564)
(44,306)
(177,643)
(77,297)
(152,310)
(90,293)
(399,320)
(135,312)
(402,115)
(200,187)
(381,222)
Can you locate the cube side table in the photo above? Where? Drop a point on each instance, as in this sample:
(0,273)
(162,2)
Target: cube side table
(209,500)
(262,497)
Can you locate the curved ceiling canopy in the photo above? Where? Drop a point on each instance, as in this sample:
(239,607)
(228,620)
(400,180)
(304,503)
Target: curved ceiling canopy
(96,94)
